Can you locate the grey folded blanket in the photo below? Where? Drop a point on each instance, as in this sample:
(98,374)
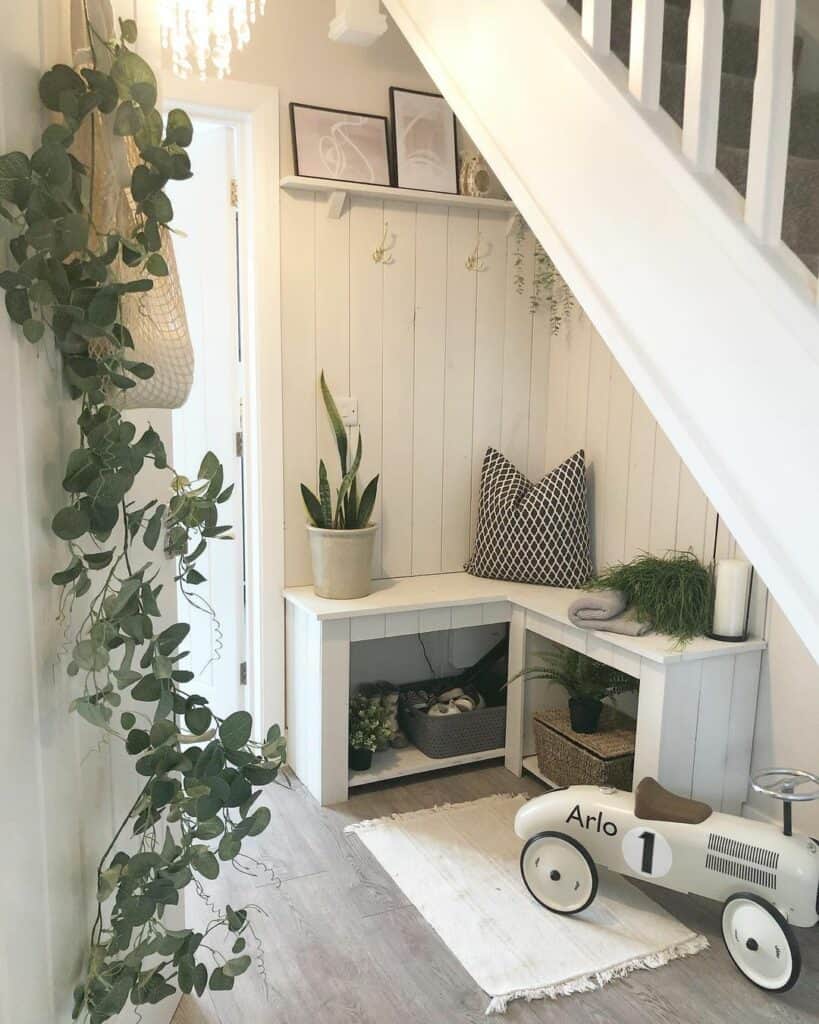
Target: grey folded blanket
(607,611)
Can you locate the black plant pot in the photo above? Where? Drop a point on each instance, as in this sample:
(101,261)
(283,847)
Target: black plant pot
(584,713)
(360,760)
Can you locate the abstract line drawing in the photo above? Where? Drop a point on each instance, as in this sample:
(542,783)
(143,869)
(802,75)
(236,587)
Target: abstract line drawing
(426,155)
(340,144)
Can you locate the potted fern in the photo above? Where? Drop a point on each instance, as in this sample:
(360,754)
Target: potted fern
(587,682)
(341,535)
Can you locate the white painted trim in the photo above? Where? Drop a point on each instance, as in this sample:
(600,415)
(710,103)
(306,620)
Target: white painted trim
(703,84)
(257,109)
(771,122)
(596,25)
(646,60)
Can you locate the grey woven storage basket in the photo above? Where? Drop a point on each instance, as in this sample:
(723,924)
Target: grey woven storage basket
(454,735)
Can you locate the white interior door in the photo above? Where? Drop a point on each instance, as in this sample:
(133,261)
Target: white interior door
(211,418)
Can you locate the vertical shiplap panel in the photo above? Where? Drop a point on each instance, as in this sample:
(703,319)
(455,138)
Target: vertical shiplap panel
(366,304)
(428,421)
(490,323)
(665,496)
(397,430)
(691,513)
(578,387)
(332,297)
(517,348)
(597,427)
(640,475)
(557,403)
(539,395)
(299,374)
(459,384)
(614,490)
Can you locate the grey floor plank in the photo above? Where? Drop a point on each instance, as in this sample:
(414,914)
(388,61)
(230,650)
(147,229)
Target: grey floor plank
(341,944)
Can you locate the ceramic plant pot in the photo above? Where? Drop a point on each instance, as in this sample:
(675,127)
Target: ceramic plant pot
(342,562)
(360,760)
(584,713)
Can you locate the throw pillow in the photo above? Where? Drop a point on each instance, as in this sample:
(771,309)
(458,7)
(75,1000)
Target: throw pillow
(532,532)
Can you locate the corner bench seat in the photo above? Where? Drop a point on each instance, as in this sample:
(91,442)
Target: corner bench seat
(696,708)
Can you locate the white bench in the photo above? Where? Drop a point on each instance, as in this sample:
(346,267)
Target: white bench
(696,709)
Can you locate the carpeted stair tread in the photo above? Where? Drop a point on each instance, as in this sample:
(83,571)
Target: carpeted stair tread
(805,126)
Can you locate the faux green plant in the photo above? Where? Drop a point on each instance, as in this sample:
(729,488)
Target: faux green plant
(349,512)
(673,593)
(369,723)
(581,677)
(196,803)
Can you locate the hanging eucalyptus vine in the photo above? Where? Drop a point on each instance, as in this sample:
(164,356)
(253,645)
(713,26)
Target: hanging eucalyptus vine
(547,282)
(197,802)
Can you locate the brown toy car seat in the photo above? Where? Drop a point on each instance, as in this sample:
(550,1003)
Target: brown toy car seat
(654,803)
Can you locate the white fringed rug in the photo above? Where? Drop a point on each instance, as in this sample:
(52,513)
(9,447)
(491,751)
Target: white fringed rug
(459,865)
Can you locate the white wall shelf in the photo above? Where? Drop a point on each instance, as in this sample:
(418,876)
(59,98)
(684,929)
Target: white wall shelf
(339,190)
(395,764)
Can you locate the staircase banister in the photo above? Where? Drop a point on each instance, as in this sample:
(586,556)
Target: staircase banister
(724,352)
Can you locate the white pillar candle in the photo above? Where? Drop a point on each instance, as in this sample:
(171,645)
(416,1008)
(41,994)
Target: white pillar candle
(733,580)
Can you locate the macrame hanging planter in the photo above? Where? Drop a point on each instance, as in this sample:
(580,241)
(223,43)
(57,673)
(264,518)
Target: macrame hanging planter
(156,319)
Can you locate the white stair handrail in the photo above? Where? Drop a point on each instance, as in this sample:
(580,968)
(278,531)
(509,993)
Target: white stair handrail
(646,60)
(596,25)
(703,83)
(771,121)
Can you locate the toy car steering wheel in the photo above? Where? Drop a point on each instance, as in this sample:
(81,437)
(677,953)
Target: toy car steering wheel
(781,785)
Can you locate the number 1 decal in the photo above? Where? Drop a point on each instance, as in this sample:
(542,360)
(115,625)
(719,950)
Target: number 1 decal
(647,852)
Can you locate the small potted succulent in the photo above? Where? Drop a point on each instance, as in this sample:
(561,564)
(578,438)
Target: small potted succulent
(587,682)
(341,538)
(370,729)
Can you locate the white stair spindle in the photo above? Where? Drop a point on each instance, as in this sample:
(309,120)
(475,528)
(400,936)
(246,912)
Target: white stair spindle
(771,121)
(703,81)
(596,25)
(646,61)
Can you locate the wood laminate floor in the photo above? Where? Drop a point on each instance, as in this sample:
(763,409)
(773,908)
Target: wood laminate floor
(341,943)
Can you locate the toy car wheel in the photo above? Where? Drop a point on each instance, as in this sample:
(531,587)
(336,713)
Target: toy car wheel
(558,872)
(760,942)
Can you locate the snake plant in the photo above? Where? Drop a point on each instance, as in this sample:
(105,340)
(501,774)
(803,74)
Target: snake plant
(350,513)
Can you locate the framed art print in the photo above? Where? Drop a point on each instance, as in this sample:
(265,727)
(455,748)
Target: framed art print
(425,150)
(340,144)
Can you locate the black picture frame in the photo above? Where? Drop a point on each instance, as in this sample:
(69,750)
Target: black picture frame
(396,90)
(305,172)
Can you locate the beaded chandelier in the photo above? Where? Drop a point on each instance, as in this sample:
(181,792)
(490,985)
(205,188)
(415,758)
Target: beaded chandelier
(200,33)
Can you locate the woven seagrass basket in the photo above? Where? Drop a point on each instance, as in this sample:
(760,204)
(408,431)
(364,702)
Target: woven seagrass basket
(569,758)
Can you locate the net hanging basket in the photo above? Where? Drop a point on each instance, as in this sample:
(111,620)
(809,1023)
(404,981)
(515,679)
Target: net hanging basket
(156,319)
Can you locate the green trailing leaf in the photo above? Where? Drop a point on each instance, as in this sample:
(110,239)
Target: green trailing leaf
(179,128)
(235,731)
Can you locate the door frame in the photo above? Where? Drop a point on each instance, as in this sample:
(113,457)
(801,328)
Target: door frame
(253,111)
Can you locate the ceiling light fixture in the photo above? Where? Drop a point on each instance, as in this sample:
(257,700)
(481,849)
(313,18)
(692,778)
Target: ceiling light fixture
(203,32)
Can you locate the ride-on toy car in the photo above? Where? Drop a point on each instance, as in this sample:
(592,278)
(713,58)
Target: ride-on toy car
(766,878)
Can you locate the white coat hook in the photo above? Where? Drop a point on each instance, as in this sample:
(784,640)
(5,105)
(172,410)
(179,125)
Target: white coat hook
(382,253)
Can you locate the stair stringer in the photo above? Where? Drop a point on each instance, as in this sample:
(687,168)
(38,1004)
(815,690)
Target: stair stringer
(718,335)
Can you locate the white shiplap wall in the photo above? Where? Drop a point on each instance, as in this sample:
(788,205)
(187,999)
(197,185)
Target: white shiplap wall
(439,357)
(445,362)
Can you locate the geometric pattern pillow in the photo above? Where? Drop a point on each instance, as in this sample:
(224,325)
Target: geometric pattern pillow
(532,533)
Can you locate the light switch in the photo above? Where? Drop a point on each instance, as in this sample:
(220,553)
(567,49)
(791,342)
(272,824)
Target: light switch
(348,410)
